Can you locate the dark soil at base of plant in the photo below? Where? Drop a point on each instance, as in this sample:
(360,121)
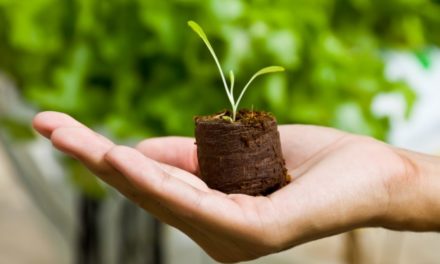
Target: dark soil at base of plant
(242,156)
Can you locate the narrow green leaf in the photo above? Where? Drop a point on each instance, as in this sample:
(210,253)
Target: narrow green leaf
(265,70)
(203,36)
(199,31)
(269,69)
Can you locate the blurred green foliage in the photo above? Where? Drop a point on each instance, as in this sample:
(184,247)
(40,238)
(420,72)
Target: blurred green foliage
(134,68)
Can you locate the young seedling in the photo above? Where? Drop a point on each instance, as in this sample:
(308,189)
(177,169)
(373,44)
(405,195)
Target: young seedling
(230,89)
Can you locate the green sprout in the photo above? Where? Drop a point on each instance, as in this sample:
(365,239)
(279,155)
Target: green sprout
(230,89)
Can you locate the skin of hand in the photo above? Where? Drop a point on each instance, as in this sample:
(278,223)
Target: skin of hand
(340,182)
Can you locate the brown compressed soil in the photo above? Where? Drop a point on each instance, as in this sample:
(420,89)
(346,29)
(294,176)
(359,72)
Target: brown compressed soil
(242,156)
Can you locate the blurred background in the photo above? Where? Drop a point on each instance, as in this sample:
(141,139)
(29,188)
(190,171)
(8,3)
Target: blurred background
(132,69)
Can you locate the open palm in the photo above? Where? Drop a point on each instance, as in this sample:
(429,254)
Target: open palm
(340,181)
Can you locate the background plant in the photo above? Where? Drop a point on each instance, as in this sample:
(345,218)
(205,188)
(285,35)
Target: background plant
(132,69)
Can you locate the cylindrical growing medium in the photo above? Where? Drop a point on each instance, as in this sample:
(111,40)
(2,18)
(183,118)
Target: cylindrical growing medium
(242,156)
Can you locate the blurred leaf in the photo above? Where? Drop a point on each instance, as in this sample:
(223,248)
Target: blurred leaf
(17,130)
(132,68)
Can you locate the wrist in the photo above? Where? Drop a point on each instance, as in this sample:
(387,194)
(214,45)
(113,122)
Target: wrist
(415,193)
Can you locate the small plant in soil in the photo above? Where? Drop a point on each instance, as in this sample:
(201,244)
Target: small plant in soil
(239,151)
(230,89)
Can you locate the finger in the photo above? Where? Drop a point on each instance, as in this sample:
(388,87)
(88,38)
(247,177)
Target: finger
(153,181)
(180,152)
(90,149)
(77,140)
(46,122)
(181,198)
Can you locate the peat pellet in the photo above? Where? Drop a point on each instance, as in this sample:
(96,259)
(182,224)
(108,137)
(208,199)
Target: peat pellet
(242,156)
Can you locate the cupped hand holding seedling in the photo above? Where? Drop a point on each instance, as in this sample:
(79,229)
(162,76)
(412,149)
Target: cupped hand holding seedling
(230,89)
(342,181)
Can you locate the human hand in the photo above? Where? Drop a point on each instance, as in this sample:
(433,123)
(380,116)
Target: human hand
(340,181)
